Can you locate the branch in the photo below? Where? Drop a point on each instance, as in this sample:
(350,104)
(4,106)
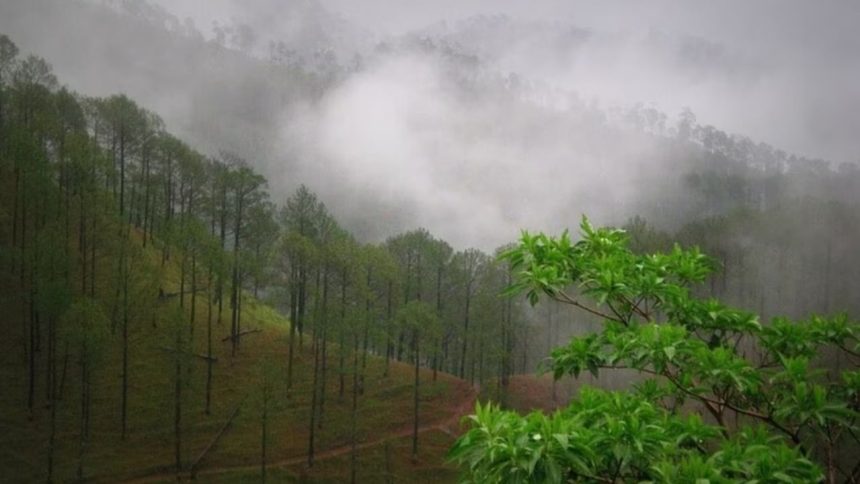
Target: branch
(593,478)
(635,307)
(642,312)
(240,334)
(710,402)
(196,463)
(167,295)
(573,302)
(618,315)
(850,352)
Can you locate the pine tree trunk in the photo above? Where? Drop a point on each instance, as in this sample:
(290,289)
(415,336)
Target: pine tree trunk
(263,443)
(93,257)
(236,286)
(292,347)
(388,333)
(125,355)
(193,317)
(147,222)
(177,406)
(341,354)
(301,311)
(480,358)
(63,375)
(209,344)
(83,432)
(315,383)
(365,336)
(31,387)
(122,173)
(354,416)
(182,265)
(415,399)
(82,243)
(465,333)
(52,365)
(238,319)
(323,355)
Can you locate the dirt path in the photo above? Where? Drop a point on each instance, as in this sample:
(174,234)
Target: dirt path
(449,426)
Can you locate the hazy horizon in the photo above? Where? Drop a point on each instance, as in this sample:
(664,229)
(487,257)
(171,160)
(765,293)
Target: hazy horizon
(510,116)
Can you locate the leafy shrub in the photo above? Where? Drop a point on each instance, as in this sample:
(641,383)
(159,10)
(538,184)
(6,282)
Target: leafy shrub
(725,400)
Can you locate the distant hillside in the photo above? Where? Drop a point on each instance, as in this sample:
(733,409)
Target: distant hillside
(433,111)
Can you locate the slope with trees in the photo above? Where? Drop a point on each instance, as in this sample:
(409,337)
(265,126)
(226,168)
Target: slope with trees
(122,245)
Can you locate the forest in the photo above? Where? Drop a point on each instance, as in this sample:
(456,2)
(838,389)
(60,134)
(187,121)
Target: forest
(175,310)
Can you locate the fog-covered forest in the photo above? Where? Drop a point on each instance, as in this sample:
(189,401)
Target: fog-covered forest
(299,241)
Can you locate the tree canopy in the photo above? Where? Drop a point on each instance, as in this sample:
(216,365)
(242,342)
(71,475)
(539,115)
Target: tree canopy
(721,397)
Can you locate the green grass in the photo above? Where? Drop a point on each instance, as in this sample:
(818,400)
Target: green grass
(387,462)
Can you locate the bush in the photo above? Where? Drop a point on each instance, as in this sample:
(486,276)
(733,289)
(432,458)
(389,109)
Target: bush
(725,399)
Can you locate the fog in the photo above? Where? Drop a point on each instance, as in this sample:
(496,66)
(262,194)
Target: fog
(473,119)
(474,166)
(780,72)
(736,64)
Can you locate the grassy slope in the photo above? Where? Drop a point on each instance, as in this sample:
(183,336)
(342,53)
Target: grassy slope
(384,409)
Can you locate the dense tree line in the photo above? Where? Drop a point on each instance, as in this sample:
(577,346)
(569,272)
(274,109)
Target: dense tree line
(369,299)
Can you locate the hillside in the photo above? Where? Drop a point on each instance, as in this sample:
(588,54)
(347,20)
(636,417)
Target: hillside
(135,346)
(384,411)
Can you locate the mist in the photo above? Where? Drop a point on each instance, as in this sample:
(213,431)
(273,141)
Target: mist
(738,65)
(407,133)
(472,119)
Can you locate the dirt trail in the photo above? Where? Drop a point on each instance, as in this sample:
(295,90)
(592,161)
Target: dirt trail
(449,426)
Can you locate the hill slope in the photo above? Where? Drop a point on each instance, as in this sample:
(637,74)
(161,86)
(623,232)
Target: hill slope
(383,423)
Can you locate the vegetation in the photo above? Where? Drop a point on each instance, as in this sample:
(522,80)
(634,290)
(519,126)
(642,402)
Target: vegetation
(724,398)
(130,254)
(169,317)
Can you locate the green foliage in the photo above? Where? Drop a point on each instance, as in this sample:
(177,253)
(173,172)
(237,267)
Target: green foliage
(419,317)
(771,412)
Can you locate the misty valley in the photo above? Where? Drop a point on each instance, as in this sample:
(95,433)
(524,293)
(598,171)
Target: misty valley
(332,241)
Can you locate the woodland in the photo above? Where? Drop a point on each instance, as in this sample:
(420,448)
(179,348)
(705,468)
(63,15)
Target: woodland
(167,315)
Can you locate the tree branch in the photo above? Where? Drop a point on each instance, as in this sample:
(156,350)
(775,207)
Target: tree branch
(635,307)
(573,302)
(850,352)
(243,333)
(710,402)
